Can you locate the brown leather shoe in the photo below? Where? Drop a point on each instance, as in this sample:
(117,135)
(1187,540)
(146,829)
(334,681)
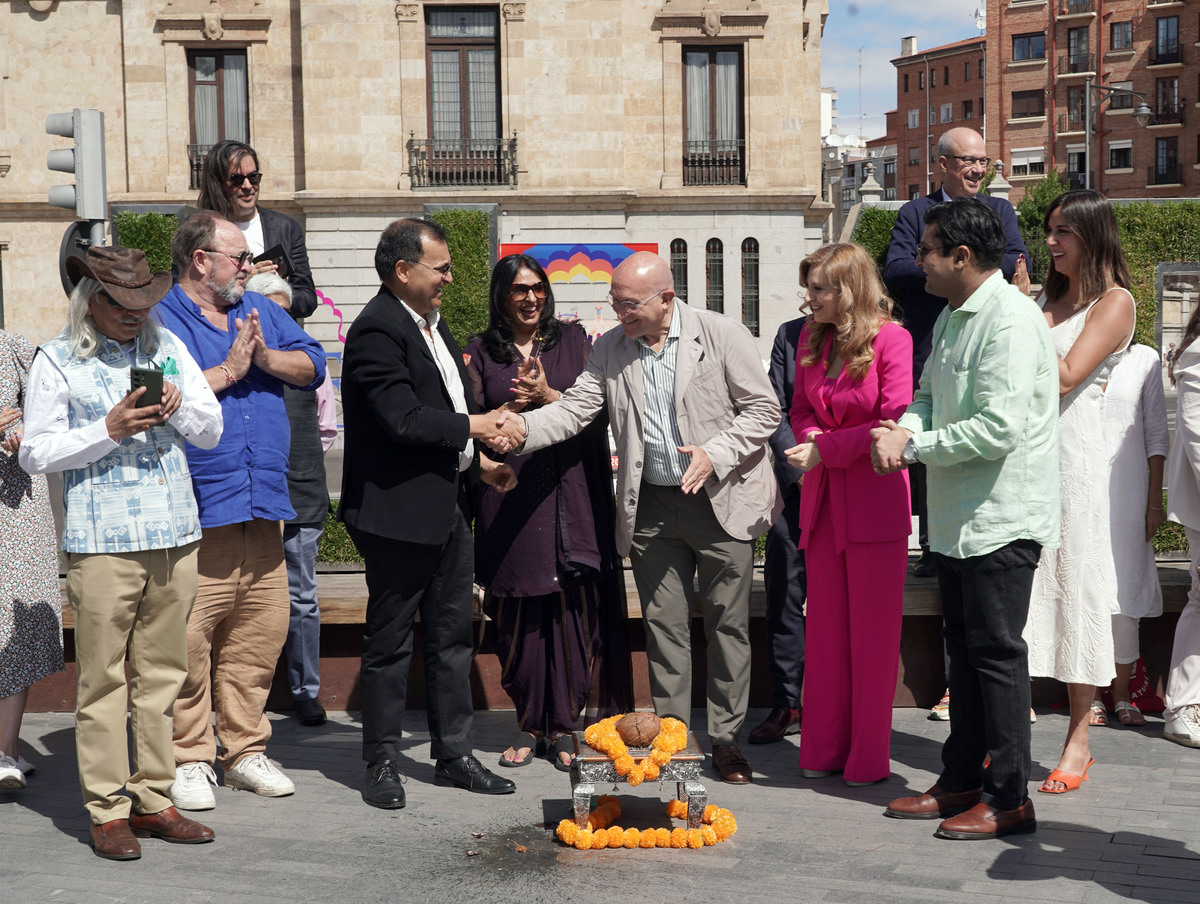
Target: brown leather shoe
(731,764)
(170,825)
(936,803)
(778,723)
(112,840)
(985,821)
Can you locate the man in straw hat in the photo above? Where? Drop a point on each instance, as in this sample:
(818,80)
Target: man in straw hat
(130,532)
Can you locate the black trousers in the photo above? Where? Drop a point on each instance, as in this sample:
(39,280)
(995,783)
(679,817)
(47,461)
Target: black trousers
(402,580)
(985,601)
(786,585)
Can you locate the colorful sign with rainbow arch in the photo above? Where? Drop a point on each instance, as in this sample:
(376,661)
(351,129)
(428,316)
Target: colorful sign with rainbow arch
(578,263)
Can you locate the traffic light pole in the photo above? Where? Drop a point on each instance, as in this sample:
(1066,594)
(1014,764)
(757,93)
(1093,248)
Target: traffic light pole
(88,197)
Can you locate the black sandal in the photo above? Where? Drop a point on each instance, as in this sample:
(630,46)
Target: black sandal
(523,739)
(563,742)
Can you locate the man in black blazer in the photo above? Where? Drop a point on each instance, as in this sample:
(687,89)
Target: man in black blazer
(410,464)
(783,571)
(963,162)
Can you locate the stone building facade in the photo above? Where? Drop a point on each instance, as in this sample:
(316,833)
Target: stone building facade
(584,126)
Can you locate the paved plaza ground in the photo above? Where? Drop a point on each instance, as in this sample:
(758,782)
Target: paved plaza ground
(1131,833)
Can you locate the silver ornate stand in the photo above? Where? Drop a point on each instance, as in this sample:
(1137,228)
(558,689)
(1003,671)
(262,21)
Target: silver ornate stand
(591,768)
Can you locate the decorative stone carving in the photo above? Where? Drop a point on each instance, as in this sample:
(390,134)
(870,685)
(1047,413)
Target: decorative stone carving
(212,26)
(407,12)
(712,22)
(684,20)
(514,12)
(5,163)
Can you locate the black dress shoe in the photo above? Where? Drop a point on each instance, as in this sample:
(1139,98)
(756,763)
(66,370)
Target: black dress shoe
(467,772)
(382,787)
(310,712)
(925,567)
(779,722)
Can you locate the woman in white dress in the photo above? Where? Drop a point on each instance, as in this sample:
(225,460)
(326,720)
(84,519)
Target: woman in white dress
(1181,719)
(1091,318)
(1135,430)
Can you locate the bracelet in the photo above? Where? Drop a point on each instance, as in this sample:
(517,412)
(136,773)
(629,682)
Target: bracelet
(228,375)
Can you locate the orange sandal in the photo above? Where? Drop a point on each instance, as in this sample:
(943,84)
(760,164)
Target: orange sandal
(1072,782)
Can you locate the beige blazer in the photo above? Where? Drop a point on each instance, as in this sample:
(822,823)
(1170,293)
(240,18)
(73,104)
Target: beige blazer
(723,403)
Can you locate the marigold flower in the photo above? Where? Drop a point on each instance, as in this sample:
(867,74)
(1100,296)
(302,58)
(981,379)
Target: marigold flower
(632,838)
(568,831)
(676,809)
(679,838)
(600,839)
(649,839)
(708,834)
(710,812)
(623,764)
(694,839)
(584,841)
(650,769)
(662,837)
(636,776)
(659,757)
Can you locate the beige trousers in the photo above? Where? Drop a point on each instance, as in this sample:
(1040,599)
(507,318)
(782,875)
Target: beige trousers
(137,603)
(234,636)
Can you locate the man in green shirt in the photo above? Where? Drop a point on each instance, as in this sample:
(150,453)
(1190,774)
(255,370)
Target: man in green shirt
(985,424)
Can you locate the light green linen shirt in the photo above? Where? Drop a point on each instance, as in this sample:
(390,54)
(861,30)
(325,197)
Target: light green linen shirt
(985,424)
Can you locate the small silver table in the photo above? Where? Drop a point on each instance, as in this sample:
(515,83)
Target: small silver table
(591,767)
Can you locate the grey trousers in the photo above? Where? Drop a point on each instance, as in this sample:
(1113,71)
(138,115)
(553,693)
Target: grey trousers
(676,538)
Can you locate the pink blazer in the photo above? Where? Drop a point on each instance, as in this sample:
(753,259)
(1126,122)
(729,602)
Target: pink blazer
(866,507)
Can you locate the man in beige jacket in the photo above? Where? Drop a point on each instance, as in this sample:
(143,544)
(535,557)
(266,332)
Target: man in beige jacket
(691,409)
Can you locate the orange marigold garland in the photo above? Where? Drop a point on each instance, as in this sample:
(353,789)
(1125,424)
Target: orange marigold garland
(718,825)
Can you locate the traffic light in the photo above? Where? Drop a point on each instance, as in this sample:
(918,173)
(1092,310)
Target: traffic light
(88,197)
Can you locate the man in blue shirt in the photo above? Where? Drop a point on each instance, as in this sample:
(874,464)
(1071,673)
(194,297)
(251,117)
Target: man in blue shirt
(248,348)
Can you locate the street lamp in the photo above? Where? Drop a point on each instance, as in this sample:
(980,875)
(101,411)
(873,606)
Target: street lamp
(1093,97)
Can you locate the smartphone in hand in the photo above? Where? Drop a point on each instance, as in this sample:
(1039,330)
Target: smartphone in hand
(152,379)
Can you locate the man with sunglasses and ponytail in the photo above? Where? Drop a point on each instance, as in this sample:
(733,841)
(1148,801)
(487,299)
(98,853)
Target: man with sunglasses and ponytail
(248,348)
(229,185)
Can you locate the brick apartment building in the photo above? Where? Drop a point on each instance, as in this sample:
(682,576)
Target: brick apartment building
(936,90)
(1041,54)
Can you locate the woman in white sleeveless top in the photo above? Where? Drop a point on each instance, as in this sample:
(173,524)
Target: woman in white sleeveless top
(1091,318)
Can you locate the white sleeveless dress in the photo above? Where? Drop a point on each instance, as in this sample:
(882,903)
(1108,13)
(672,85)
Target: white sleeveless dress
(1069,630)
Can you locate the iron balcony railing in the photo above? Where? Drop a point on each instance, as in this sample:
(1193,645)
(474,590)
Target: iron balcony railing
(196,155)
(1075,179)
(1076,7)
(438,162)
(714,162)
(1162,54)
(1168,114)
(1164,174)
(1070,63)
(1070,122)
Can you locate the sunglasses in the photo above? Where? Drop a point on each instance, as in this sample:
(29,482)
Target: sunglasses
(516,292)
(236,179)
(239,259)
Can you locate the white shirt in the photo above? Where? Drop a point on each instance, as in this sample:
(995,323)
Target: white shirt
(253,231)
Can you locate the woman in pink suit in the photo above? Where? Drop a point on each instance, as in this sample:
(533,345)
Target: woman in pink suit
(853,369)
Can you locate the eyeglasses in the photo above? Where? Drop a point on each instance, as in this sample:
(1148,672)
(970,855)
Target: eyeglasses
(627,307)
(969,161)
(922,251)
(236,179)
(517,292)
(443,271)
(240,259)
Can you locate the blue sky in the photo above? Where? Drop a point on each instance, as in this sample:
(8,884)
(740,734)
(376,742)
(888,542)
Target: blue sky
(876,26)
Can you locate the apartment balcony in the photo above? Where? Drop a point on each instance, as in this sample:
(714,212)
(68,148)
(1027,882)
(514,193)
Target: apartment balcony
(196,155)
(1075,179)
(720,162)
(1077,64)
(462,163)
(1070,122)
(1166,55)
(1169,114)
(1164,174)
(1076,7)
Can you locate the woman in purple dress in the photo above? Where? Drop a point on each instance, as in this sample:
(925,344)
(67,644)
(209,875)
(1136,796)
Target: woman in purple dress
(545,551)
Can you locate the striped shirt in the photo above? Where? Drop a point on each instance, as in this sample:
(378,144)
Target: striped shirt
(664,463)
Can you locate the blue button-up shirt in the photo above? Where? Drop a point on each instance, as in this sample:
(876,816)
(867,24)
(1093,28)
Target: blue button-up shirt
(245,476)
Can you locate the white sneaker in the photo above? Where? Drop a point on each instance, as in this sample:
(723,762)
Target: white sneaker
(26,767)
(11,778)
(1185,727)
(192,788)
(258,774)
(941,710)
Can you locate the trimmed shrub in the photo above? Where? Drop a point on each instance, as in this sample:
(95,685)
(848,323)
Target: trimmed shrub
(151,232)
(465,300)
(336,545)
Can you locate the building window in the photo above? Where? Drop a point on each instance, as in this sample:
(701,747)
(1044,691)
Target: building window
(714,274)
(967,71)
(914,119)
(1166,41)
(1028,104)
(712,117)
(981,68)
(750,285)
(889,194)
(1028,162)
(679,268)
(945,75)
(889,168)
(1120,155)
(932,78)
(1121,101)
(947,112)
(913,193)
(914,156)
(1166,162)
(464,145)
(1120,35)
(219,100)
(1079,59)
(906,83)
(1029,46)
(1075,106)
(968,109)
(920,81)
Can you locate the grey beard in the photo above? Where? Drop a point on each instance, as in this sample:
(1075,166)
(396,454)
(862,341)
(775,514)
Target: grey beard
(231,291)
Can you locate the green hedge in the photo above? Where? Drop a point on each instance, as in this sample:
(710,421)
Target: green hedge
(465,300)
(152,232)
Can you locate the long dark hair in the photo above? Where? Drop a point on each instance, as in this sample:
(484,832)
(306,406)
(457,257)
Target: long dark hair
(221,158)
(497,339)
(1089,215)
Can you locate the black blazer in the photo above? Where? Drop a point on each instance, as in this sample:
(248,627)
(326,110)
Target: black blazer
(279,229)
(783,379)
(400,475)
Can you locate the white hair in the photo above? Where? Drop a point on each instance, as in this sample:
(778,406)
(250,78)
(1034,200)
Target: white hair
(81,333)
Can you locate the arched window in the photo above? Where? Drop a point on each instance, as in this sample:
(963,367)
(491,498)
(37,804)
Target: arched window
(679,268)
(714,274)
(750,285)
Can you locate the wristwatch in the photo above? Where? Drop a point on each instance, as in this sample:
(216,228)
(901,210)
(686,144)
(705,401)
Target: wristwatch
(909,455)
